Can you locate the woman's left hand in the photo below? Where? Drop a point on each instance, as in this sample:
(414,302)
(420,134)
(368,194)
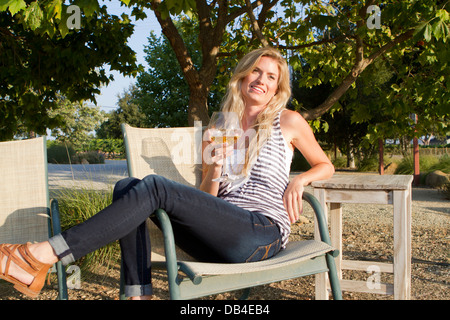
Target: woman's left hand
(292,198)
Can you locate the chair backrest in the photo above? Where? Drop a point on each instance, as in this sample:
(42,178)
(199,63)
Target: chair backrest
(174,153)
(24,199)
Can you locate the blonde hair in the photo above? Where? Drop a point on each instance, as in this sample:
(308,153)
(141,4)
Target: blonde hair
(234,102)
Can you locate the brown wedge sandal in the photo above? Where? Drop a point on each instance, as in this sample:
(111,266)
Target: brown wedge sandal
(34,267)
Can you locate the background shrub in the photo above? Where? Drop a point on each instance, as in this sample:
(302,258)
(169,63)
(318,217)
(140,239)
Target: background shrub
(427,164)
(59,153)
(92,157)
(78,205)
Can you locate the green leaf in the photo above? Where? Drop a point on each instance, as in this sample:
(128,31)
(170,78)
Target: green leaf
(54,9)
(427,33)
(316,124)
(88,7)
(34,16)
(439,30)
(420,27)
(442,14)
(13,5)
(125,18)
(395,87)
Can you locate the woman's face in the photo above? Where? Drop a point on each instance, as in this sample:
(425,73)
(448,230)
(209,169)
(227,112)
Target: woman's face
(261,84)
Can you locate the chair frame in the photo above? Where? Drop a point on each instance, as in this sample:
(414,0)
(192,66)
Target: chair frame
(54,223)
(186,284)
(221,283)
(54,228)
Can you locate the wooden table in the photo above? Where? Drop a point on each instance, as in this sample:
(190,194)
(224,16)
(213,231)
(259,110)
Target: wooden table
(370,189)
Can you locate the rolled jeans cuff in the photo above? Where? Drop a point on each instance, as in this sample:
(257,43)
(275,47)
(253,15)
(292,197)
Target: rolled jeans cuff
(61,249)
(138,290)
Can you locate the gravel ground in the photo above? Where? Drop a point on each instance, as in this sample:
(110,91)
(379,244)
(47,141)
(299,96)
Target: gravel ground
(367,235)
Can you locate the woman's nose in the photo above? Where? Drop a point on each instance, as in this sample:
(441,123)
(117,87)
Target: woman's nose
(259,79)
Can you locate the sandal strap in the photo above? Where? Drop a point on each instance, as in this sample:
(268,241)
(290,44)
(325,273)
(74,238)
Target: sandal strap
(22,257)
(5,251)
(32,261)
(30,265)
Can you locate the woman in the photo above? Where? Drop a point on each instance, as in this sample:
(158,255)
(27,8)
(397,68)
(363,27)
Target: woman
(242,221)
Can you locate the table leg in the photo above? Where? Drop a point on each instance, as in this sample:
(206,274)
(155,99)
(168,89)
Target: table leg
(336,241)
(402,244)
(336,233)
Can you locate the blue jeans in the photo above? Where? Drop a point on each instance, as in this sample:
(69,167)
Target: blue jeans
(208,228)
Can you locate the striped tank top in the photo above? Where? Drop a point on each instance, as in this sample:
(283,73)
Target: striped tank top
(263,189)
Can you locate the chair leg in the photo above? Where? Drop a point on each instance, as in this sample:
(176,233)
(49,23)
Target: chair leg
(334,279)
(62,282)
(54,229)
(171,257)
(122,284)
(245,294)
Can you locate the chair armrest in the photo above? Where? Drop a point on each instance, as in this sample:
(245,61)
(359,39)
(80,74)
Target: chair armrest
(169,240)
(321,219)
(169,248)
(169,244)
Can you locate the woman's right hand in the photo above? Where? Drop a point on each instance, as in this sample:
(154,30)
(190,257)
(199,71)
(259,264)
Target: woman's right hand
(213,152)
(213,155)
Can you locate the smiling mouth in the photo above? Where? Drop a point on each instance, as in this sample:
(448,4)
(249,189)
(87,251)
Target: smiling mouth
(257,89)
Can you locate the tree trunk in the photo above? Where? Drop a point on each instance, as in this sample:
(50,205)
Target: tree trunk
(199,81)
(381,156)
(198,108)
(351,155)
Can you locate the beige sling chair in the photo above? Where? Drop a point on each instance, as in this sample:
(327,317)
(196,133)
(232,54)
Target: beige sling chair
(26,212)
(175,154)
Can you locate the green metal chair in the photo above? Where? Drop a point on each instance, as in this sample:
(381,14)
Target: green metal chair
(176,154)
(26,212)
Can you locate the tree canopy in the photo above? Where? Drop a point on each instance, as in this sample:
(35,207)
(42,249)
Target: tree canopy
(40,58)
(78,120)
(329,42)
(162,92)
(127,112)
(335,36)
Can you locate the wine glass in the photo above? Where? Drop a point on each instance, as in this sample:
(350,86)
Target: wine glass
(225,127)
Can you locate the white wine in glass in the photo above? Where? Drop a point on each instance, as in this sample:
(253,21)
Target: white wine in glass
(225,127)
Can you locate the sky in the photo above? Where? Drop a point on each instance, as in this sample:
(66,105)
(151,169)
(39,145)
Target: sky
(108,98)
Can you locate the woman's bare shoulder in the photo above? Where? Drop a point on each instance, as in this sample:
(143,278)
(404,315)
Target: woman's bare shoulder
(292,120)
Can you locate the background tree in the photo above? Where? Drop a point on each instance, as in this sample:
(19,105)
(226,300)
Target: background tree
(41,58)
(127,112)
(344,57)
(162,92)
(333,37)
(419,86)
(79,120)
(213,18)
(348,44)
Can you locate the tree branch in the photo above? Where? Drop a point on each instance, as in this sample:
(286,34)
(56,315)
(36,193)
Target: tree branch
(315,43)
(401,38)
(176,41)
(255,24)
(210,36)
(358,68)
(238,12)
